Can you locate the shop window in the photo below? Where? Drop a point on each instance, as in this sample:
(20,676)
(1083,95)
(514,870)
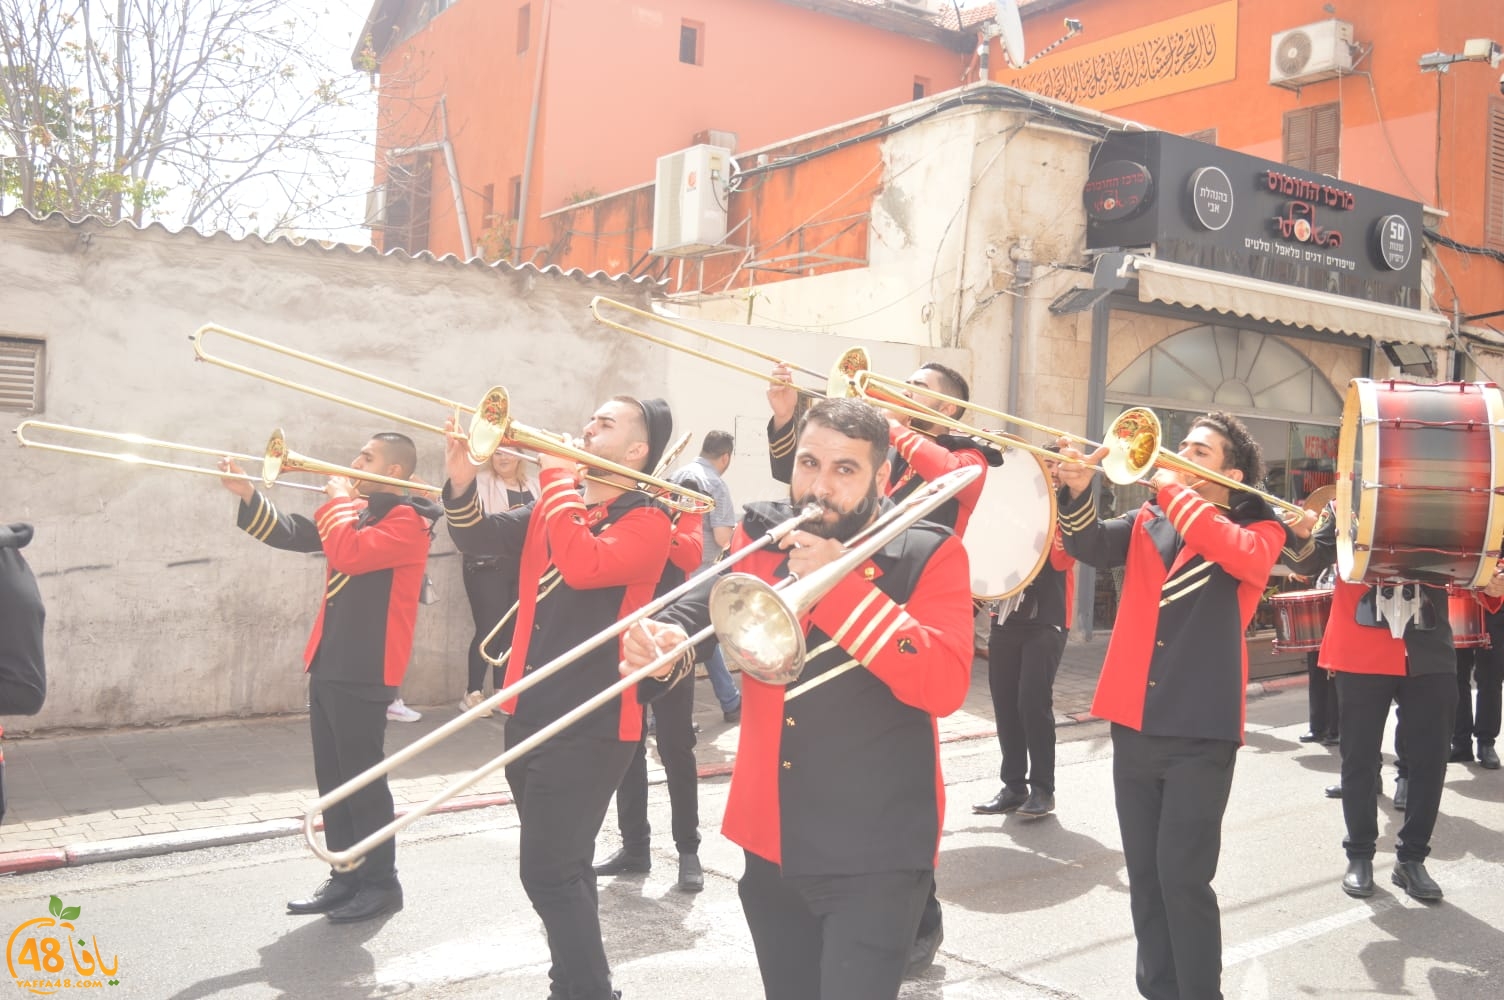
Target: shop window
(1493,204)
(21,367)
(1313,138)
(692,43)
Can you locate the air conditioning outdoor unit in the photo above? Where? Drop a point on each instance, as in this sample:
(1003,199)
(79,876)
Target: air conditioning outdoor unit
(1315,52)
(375,208)
(689,200)
(927,7)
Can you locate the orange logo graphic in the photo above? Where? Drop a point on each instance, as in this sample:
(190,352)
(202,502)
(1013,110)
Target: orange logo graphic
(35,955)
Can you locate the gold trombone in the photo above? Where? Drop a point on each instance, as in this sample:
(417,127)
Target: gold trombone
(1133,440)
(276,461)
(491,421)
(767,629)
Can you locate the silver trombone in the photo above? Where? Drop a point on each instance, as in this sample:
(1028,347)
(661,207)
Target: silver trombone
(780,662)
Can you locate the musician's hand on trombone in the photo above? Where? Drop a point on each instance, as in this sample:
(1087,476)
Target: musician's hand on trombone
(808,552)
(457,464)
(340,488)
(1495,587)
(242,488)
(783,398)
(1077,468)
(647,641)
(1301,525)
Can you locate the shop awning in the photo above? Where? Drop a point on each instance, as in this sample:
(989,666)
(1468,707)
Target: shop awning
(1181,284)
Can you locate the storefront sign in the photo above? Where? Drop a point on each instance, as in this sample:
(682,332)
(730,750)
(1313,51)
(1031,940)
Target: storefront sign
(1243,215)
(1118,189)
(1168,57)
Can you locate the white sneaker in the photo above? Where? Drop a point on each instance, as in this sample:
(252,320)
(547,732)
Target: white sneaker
(399,712)
(472,699)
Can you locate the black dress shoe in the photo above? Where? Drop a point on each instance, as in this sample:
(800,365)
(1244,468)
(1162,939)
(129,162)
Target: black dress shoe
(334,892)
(1460,755)
(733,716)
(1334,791)
(1488,756)
(370,902)
(625,862)
(1309,736)
(922,954)
(1040,804)
(1412,877)
(691,875)
(1358,881)
(1005,801)
(1331,740)
(1401,793)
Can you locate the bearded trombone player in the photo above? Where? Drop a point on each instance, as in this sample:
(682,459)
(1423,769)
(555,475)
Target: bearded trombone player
(837,797)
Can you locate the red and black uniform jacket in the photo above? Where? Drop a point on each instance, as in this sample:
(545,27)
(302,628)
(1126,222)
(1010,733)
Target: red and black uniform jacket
(1177,664)
(686,550)
(916,460)
(375,549)
(1048,600)
(1361,648)
(839,772)
(580,570)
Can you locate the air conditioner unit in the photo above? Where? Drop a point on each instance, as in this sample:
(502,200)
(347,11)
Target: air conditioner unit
(689,200)
(375,208)
(929,8)
(1312,53)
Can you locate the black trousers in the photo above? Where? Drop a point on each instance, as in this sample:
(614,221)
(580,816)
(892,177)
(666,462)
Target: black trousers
(348,726)
(562,789)
(1487,667)
(835,937)
(491,592)
(1321,698)
(1171,793)
(1428,704)
(675,732)
(1021,667)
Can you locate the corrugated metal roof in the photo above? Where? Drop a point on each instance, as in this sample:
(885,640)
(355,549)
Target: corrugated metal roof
(326,248)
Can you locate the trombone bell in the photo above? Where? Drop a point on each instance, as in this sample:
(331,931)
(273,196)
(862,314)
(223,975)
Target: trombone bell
(759,630)
(1134,439)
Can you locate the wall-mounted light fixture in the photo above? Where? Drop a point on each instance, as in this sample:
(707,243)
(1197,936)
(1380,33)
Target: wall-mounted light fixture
(1412,359)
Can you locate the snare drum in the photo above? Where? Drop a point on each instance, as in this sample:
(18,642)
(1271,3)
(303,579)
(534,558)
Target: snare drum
(1012,527)
(1466,616)
(1300,620)
(1418,489)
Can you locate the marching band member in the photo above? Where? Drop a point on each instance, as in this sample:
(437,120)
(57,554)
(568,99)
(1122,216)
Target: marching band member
(583,562)
(376,547)
(1417,669)
(1023,657)
(674,713)
(837,797)
(918,453)
(1173,683)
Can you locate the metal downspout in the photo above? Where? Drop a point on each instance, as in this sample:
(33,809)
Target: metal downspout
(454,178)
(1023,273)
(532,133)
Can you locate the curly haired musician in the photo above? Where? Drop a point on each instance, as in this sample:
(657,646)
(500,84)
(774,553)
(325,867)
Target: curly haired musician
(1417,670)
(376,547)
(583,562)
(837,797)
(918,452)
(1196,558)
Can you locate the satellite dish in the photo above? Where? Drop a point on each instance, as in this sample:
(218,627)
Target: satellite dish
(1011,29)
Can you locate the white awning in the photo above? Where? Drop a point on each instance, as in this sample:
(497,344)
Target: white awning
(1166,281)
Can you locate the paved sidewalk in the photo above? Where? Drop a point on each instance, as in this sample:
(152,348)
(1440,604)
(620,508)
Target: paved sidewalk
(78,797)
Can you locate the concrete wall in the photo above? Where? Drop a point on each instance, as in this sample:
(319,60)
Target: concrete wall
(158,608)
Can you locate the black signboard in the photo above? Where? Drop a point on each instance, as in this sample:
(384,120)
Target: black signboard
(1227,211)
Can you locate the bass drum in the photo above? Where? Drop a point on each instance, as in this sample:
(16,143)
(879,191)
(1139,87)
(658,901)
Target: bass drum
(1012,528)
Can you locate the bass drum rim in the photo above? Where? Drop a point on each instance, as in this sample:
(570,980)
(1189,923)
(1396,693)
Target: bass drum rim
(995,490)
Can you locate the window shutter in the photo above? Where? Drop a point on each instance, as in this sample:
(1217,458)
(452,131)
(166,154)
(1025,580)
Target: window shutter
(1298,137)
(1493,187)
(1326,139)
(21,374)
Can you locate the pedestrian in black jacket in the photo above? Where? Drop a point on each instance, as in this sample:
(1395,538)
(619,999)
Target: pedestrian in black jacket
(23,672)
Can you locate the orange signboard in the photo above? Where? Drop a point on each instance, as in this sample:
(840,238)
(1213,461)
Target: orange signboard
(1168,57)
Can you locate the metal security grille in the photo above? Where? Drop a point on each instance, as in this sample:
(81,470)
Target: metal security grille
(21,367)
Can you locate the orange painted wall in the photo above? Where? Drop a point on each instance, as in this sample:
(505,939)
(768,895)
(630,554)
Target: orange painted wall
(616,96)
(1396,153)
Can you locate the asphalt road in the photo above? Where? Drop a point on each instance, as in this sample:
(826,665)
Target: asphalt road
(1033,909)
